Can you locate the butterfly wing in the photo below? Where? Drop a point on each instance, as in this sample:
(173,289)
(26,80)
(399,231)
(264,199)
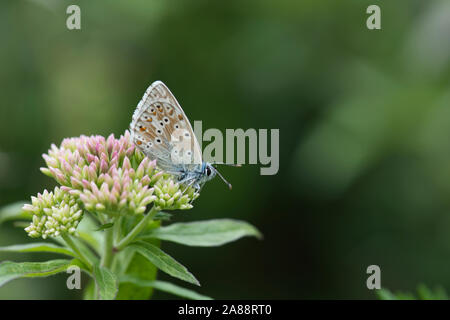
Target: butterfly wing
(162,131)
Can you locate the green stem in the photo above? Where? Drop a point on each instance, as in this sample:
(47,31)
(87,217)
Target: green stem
(108,248)
(75,248)
(137,229)
(117,229)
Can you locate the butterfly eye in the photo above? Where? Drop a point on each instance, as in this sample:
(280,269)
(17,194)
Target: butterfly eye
(208,171)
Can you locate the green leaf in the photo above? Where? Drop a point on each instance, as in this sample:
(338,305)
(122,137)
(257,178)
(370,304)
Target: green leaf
(164,286)
(204,233)
(14,211)
(385,294)
(105,283)
(162,216)
(127,261)
(89,290)
(86,232)
(164,262)
(439,293)
(13,270)
(21,224)
(105,226)
(37,247)
(84,248)
(423,293)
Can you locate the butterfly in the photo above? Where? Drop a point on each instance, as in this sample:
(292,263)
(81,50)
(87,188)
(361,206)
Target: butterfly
(161,130)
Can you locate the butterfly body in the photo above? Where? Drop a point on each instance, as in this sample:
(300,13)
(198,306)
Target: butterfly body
(198,176)
(161,130)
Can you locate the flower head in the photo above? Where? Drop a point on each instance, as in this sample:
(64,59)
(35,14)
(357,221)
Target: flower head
(53,213)
(112,176)
(171,195)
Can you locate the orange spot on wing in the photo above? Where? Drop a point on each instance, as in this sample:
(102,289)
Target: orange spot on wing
(180,117)
(149,120)
(138,143)
(142,128)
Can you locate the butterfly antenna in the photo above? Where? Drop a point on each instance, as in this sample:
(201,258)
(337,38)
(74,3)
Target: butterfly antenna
(228,164)
(224,180)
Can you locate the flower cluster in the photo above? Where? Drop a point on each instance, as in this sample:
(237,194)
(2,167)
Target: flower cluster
(53,213)
(122,191)
(170,195)
(108,176)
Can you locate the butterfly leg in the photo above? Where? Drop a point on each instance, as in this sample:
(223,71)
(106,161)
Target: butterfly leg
(187,187)
(199,187)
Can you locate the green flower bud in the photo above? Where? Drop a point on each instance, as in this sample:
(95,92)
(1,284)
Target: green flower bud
(172,196)
(53,213)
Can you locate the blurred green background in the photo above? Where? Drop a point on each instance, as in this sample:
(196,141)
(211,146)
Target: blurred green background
(364,119)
